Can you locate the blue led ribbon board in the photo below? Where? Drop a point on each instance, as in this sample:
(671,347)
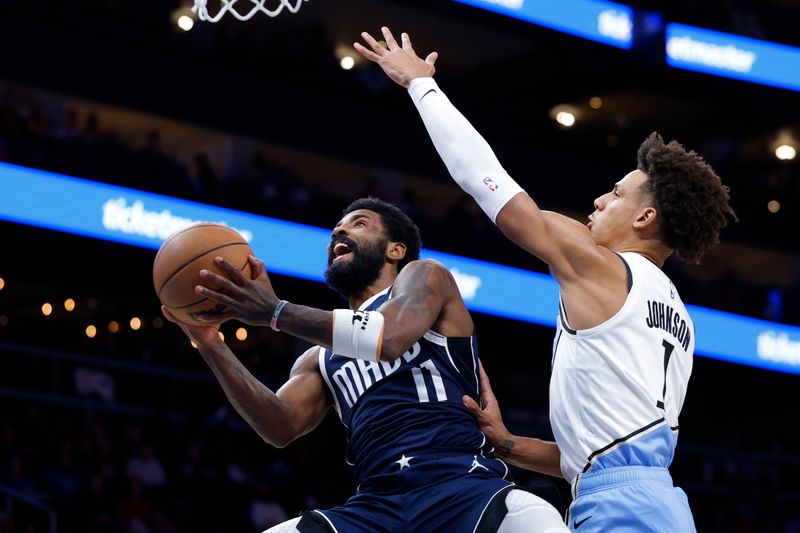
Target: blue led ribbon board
(732,56)
(597,20)
(137,218)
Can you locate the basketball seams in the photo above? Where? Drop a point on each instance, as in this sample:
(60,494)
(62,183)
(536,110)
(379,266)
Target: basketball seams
(193,259)
(188,228)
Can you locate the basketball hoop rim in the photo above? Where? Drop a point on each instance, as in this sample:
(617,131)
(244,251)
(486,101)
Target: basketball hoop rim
(200,9)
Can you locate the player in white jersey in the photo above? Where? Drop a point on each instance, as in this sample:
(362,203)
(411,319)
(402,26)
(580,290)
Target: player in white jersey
(624,345)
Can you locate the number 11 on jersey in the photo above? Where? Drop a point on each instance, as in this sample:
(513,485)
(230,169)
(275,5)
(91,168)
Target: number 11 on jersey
(436,377)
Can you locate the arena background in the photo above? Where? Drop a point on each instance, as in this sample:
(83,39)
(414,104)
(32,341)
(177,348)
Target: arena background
(110,421)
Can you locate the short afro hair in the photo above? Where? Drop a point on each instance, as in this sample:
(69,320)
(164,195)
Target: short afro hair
(691,201)
(398,226)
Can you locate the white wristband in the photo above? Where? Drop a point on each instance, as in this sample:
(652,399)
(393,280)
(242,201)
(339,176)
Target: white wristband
(358,334)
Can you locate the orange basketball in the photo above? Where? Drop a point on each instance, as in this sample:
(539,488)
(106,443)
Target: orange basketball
(176,269)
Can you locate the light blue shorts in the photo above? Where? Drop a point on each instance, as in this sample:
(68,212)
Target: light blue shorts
(630,499)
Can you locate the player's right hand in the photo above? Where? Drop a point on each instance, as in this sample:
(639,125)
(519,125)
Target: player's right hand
(401,64)
(200,335)
(490,421)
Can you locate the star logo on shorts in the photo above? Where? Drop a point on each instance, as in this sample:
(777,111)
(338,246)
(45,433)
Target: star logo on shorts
(476,464)
(404,462)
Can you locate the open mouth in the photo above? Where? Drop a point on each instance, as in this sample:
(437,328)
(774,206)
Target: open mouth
(341,250)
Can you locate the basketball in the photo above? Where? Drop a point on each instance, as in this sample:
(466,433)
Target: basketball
(177,266)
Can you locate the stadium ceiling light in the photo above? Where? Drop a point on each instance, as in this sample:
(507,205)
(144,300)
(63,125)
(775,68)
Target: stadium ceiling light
(2,283)
(47,309)
(565,118)
(69,304)
(347,62)
(136,323)
(774,206)
(785,152)
(185,22)
(241,334)
(91,331)
(183,18)
(113,326)
(595,102)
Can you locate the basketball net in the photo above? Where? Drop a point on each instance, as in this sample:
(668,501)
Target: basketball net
(271,8)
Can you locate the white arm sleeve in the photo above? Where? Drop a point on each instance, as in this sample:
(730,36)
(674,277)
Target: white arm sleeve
(468,156)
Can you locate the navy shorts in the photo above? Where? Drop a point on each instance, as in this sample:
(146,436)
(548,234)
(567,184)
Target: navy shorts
(433,494)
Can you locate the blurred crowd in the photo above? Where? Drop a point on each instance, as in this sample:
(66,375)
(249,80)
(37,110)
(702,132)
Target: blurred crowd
(112,473)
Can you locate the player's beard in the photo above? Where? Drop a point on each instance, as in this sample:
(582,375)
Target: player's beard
(361,271)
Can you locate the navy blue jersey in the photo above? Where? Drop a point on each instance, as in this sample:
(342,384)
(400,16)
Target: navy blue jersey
(409,408)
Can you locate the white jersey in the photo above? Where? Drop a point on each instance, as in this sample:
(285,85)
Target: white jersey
(617,389)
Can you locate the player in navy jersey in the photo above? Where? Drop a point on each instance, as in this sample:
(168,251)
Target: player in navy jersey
(395,367)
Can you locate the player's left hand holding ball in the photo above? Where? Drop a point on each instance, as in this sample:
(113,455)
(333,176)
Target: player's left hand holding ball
(251,301)
(200,335)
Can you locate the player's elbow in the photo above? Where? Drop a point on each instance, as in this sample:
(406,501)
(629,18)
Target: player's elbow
(279,440)
(275,443)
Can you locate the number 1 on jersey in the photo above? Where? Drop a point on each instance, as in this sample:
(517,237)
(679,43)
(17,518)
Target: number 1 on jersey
(436,377)
(668,347)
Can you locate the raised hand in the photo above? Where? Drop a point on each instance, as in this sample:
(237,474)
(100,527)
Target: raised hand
(400,63)
(250,300)
(488,414)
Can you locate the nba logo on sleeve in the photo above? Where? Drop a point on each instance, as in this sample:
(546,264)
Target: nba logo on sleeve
(490,184)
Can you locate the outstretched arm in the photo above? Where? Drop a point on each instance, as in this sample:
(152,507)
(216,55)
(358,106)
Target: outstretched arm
(278,418)
(532,454)
(419,295)
(564,244)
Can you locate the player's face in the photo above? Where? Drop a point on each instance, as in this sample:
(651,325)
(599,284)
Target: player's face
(357,252)
(616,211)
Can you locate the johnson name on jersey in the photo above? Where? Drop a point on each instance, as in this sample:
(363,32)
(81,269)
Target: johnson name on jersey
(617,389)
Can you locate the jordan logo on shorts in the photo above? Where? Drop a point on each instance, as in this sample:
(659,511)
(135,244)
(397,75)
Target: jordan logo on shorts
(476,464)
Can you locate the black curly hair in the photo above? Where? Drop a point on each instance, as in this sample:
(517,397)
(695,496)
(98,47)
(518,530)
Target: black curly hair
(399,227)
(692,203)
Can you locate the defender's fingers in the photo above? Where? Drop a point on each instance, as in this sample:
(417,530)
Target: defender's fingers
(486,386)
(432,57)
(364,51)
(472,406)
(375,45)
(406,41)
(391,44)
